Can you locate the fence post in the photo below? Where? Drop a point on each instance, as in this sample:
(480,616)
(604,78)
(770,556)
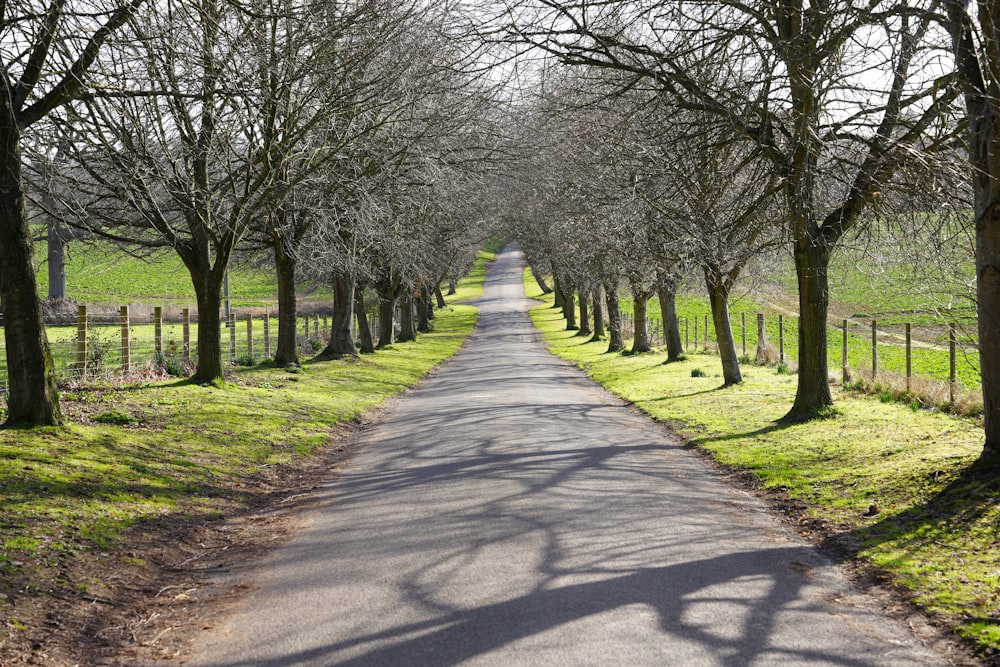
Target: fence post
(952,365)
(909,358)
(761,340)
(250,335)
(267,335)
(706,331)
(232,337)
(781,339)
(874,349)
(845,369)
(158,330)
(743,325)
(687,338)
(186,333)
(696,333)
(81,341)
(126,343)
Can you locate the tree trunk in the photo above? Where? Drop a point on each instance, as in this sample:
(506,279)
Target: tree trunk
(386,319)
(667,295)
(560,297)
(585,329)
(33,399)
(441,303)
(422,302)
(56,245)
(361,317)
(387,289)
(452,287)
(988,295)
(287,352)
(407,330)
(341,343)
(208,294)
(812,260)
(540,279)
(615,341)
(718,294)
(598,314)
(569,310)
(640,339)
(975,65)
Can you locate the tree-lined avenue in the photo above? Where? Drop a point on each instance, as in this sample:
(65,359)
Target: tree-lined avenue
(510,512)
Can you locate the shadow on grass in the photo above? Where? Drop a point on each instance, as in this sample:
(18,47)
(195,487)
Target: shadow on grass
(955,510)
(770,428)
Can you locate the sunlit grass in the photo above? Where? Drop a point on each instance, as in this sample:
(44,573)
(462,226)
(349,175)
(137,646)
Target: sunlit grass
(181,449)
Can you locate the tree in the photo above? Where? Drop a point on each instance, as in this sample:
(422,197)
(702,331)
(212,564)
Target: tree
(199,142)
(836,96)
(717,201)
(47,52)
(975,33)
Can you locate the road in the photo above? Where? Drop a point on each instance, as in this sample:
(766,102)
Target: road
(510,512)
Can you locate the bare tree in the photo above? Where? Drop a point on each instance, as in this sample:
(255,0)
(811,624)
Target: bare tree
(836,96)
(717,200)
(212,122)
(47,51)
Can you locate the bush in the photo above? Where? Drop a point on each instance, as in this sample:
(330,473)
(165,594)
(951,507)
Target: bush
(169,364)
(246,360)
(698,373)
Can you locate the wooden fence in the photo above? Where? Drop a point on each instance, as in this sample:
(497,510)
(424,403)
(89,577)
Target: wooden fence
(696,334)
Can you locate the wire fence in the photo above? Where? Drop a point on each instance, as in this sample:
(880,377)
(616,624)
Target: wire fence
(106,343)
(946,354)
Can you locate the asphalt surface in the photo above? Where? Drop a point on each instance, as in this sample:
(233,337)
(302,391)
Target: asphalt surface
(510,512)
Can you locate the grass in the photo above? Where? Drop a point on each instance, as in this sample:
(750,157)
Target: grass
(134,454)
(904,485)
(105,274)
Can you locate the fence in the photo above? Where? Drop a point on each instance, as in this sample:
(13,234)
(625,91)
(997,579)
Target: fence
(105,342)
(866,346)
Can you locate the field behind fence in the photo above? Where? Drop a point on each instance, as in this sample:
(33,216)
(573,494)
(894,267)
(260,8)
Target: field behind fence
(106,342)
(856,349)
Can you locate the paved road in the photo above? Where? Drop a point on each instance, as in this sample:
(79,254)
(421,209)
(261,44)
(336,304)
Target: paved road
(509,512)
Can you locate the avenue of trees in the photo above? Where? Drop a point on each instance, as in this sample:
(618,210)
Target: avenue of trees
(367,144)
(703,135)
(329,136)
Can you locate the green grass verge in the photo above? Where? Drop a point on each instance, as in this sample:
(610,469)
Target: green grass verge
(135,454)
(938,519)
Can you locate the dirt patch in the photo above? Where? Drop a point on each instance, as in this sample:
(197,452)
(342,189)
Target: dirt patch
(142,601)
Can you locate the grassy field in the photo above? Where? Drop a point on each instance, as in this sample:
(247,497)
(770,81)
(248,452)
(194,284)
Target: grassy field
(902,485)
(135,454)
(105,274)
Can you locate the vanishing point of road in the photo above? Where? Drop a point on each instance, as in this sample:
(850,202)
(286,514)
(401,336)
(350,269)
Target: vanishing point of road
(510,512)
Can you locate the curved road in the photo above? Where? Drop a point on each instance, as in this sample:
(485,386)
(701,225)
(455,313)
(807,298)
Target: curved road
(509,512)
